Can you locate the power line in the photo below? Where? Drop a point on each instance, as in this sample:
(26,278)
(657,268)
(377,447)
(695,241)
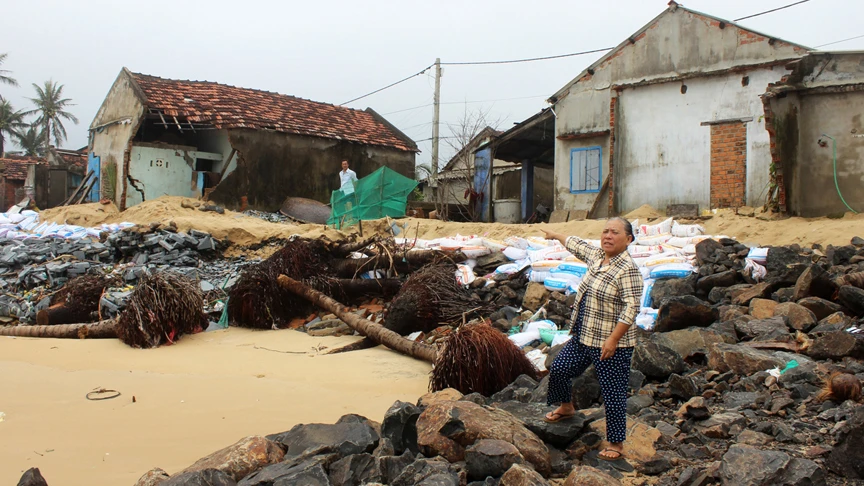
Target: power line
(477,63)
(772,10)
(466,102)
(388,86)
(837,42)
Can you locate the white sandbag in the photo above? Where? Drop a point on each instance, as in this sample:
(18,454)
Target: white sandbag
(686,230)
(640,251)
(689,250)
(678,241)
(475,251)
(515,253)
(545,265)
(557,273)
(516,242)
(758,255)
(672,270)
(663,260)
(538,276)
(536,326)
(507,269)
(646,320)
(523,339)
(653,240)
(578,268)
(664,227)
(647,285)
(465,275)
(556,284)
(494,245)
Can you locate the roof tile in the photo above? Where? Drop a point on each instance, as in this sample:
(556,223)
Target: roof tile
(230,107)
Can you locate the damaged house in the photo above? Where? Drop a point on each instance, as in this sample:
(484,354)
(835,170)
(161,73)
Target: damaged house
(671,115)
(46,181)
(153,137)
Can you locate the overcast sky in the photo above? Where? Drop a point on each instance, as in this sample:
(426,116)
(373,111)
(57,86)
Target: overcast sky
(333,51)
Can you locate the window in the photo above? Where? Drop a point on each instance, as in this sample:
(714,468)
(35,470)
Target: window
(586,169)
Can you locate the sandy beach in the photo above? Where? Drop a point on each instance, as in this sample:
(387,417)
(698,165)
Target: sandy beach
(193,398)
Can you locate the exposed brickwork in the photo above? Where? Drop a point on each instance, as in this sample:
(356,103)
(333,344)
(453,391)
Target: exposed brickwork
(728,165)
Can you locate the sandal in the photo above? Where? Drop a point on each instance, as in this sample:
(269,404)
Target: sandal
(601,456)
(553,417)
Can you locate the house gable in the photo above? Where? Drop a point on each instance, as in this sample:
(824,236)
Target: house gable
(681,43)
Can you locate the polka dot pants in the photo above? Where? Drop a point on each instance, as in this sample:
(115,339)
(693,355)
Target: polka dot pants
(613,375)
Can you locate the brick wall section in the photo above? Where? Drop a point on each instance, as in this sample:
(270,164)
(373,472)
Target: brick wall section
(728,165)
(775,153)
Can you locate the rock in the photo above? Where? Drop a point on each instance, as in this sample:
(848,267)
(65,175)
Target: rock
(535,296)
(771,329)
(519,475)
(802,471)
(753,438)
(739,399)
(820,307)
(429,472)
(655,467)
(475,397)
(670,287)
(691,342)
(637,403)
(705,250)
(355,470)
(641,438)
(847,457)
(558,434)
(682,387)
(742,360)
(310,472)
(683,312)
(521,390)
(722,279)
(206,477)
(799,318)
(668,430)
(729,312)
(152,477)
(241,458)
(747,465)
(446,395)
(852,298)
(392,466)
(805,282)
(344,438)
(722,425)
(836,345)
(837,321)
(32,477)
(695,408)
(762,308)
(400,426)
(743,297)
(385,448)
(489,457)
(589,476)
(781,257)
(445,429)
(655,360)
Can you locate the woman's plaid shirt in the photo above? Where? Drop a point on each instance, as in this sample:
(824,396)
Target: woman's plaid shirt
(611,292)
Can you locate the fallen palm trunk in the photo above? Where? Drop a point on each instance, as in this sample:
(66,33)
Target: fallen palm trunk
(475,358)
(56,314)
(376,332)
(99,330)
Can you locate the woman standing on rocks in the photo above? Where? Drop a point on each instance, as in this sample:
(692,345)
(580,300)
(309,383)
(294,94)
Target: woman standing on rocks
(604,312)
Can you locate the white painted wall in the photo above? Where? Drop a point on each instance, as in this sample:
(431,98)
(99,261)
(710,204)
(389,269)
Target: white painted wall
(164,171)
(663,153)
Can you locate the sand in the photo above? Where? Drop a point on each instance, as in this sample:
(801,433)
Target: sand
(192,398)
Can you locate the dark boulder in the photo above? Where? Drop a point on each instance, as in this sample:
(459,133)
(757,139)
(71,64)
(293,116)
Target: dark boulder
(667,288)
(400,426)
(656,361)
(847,457)
(706,249)
(722,279)
(345,438)
(207,477)
(32,477)
(682,312)
(355,470)
(772,329)
(682,387)
(852,298)
(559,434)
(311,472)
(836,345)
(747,465)
(489,457)
(820,307)
(429,472)
(781,257)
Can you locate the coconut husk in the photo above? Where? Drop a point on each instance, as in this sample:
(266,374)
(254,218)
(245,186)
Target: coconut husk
(258,301)
(478,358)
(163,307)
(840,387)
(78,300)
(429,297)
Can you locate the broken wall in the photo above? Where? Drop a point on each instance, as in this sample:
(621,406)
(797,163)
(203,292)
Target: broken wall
(275,165)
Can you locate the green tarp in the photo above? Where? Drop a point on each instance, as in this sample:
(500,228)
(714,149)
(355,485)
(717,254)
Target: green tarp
(381,193)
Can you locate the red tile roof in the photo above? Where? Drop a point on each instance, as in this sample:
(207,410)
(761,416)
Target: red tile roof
(15,167)
(75,160)
(231,107)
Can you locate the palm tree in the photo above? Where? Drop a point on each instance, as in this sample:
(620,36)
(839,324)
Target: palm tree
(11,122)
(4,78)
(50,106)
(30,141)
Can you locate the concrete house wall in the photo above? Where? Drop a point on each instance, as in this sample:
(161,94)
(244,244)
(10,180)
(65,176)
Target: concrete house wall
(630,104)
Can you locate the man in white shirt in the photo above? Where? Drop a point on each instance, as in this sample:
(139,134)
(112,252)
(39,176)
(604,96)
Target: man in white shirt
(347,178)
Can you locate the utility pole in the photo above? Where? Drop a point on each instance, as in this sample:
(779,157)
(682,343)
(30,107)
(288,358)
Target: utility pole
(436,101)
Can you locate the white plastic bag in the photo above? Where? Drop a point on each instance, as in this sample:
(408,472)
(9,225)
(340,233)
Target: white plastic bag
(464,275)
(754,270)
(686,230)
(515,253)
(537,358)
